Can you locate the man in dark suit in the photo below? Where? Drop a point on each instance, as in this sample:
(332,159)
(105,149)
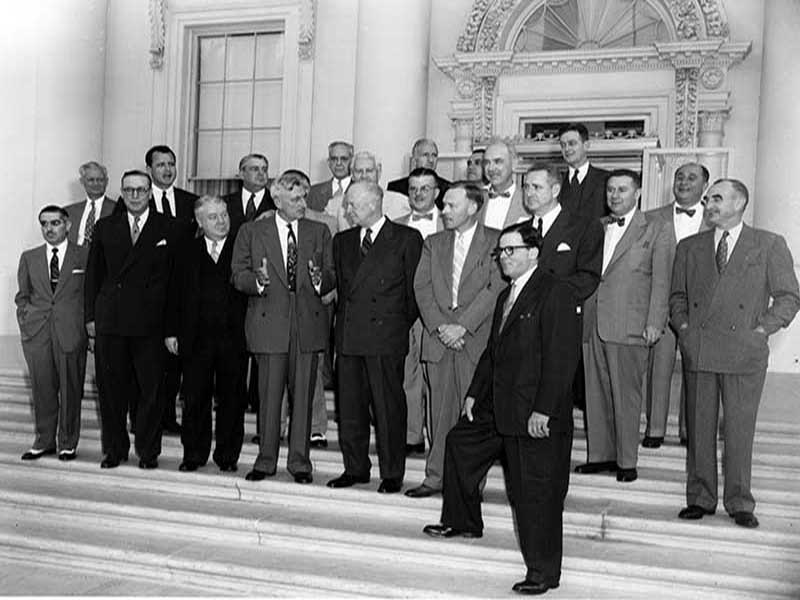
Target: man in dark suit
(128,271)
(327,196)
(518,406)
(50,316)
(424,153)
(732,287)
(83,215)
(583,191)
(375,264)
(284,264)
(205,328)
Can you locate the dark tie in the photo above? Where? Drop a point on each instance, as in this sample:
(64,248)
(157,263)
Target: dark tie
(54,271)
(250,210)
(574,181)
(291,258)
(366,243)
(619,221)
(420,217)
(722,253)
(539,228)
(89,229)
(493,194)
(685,211)
(165,204)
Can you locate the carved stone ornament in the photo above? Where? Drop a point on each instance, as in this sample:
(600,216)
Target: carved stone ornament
(686,106)
(712,77)
(156,10)
(305,41)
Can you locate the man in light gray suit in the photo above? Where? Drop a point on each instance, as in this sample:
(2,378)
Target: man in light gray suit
(504,205)
(456,286)
(83,215)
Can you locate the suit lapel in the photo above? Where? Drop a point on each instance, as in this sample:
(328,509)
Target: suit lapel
(738,258)
(631,234)
(40,269)
(273,244)
(474,253)
(447,244)
(524,300)
(145,241)
(381,246)
(555,233)
(66,268)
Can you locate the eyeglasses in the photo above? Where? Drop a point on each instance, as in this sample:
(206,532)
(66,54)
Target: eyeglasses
(505,250)
(135,191)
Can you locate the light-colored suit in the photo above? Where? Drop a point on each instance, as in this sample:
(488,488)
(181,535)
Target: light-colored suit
(632,295)
(516,210)
(54,342)
(449,372)
(75,212)
(715,316)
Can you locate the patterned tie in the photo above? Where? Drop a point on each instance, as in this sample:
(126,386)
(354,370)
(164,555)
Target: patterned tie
(214,251)
(54,270)
(250,210)
(291,258)
(135,231)
(366,243)
(88,231)
(722,253)
(165,204)
(459,254)
(509,304)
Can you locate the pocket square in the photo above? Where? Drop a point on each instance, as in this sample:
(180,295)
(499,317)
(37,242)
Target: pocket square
(563,247)
(78,271)
(161,243)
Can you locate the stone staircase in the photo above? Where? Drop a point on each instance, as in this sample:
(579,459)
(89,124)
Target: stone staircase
(70,528)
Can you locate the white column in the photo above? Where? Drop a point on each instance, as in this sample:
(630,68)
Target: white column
(776,196)
(391,79)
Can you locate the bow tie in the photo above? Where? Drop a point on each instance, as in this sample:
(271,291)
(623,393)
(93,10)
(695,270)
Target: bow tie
(419,217)
(619,221)
(685,211)
(493,194)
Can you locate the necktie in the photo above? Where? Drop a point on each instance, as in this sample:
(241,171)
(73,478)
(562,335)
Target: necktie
(339,188)
(214,251)
(685,211)
(493,194)
(291,258)
(459,254)
(89,229)
(722,253)
(509,304)
(250,210)
(366,243)
(165,207)
(574,181)
(539,224)
(619,221)
(421,217)
(54,270)
(135,229)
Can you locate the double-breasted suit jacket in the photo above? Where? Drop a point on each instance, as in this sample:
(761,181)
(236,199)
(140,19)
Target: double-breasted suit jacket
(588,198)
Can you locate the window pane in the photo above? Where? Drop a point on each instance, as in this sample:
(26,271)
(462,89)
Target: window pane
(268,143)
(268,103)
(210,106)
(212,58)
(208,146)
(238,104)
(269,55)
(239,63)
(235,145)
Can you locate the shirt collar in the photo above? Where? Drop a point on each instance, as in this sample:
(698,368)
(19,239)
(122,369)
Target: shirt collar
(259,195)
(345,182)
(158,192)
(210,242)
(62,248)
(512,189)
(733,232)
(520,281)
(282,223)
(142,217)
(582,171)
(374,228)
(549,217)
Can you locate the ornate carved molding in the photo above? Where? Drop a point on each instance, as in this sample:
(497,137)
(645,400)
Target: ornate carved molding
(156,10)
(483,116)
(305,39)
(686,106)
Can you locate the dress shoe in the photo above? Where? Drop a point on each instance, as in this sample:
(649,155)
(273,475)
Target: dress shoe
(345,480)
(627,475)
(34,454)
(303,478)
(415,448)
(148,463)
(532,588)
(318,440)
(229,467)
(256,475)
(694,512)
(390,486)
(652,442)
(422,491)
(596,467)
(187,466)
(684,442)
(173,428)
(112,462)
(256,439)
(66,455)
(744,518)
(444,531)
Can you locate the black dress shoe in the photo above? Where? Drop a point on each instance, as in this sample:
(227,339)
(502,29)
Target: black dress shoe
(652,442)
(229,467)
(66,455)
(532,588)
(444,531)
(303,478)
(744,518)
(694,512)
(345,480)
(422,491)
(390,486)
(627,475)
(597,467)
(34,454)
(148,463)
(256,475)
(111,462)
(415,448)
(187,466)
(173,428)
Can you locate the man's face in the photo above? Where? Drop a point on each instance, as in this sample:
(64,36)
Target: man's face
(94,182)
(365,169)
(360,206)
(573,148)
(520,260)
(497,166)
(339,158)
(254,173)
(54,227)
(540,195)
(213,218)
(458,211)
(291,204)
(724,207)
(622,195)
(475,167)
(422,192)
(162,169)
(425,155)
(135,193)
(688,185)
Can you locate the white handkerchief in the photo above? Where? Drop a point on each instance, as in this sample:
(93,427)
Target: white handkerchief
(161,243)
(563,247)
(78,271)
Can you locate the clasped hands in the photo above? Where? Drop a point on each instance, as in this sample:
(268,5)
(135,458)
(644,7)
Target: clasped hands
(452,335)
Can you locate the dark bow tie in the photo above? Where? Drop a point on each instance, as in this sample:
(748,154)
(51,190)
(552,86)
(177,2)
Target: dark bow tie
(685,211)
(419,217)
(619,221)
(493,194)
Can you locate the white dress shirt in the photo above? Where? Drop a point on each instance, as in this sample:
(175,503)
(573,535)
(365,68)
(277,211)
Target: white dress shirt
(158,194)
(210,244)
(142,220)
(686,225)
(62,250)
(375,229)
(257,200)
(497,208)
(582,171)
(283,235)
(425,226)
(613,235)
(548,219)
(98,205)
(733,237)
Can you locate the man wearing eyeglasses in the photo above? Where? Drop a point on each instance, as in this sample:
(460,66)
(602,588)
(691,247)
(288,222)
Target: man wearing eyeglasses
(128,270)
(519,406)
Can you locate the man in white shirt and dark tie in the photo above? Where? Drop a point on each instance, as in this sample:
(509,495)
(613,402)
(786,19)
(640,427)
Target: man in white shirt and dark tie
(83,215)
(168,199)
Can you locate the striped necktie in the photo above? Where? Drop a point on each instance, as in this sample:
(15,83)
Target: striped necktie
(459,254)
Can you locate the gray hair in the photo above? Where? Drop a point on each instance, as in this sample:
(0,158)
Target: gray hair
(202,201)
(92,164)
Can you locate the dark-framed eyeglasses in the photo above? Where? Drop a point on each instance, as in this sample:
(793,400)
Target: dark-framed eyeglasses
(506,250)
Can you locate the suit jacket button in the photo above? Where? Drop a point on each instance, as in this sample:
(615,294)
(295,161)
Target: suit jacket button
(733,327)
(695,304)
(119,286)
(702,325)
